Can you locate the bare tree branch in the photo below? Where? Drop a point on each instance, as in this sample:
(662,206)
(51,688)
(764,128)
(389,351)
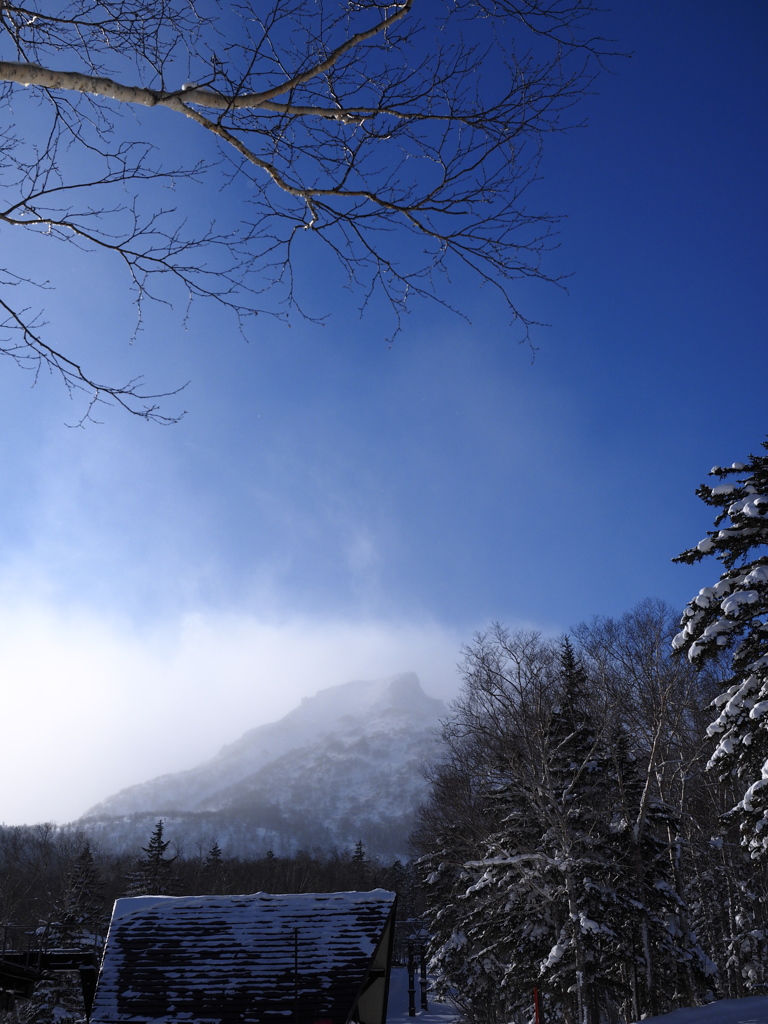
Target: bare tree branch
(403,136)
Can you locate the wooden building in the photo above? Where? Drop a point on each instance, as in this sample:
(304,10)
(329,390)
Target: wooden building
(308,958)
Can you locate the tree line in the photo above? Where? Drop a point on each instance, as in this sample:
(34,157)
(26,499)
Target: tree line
(60,882)
(598,826)
(575,842)
(57,889)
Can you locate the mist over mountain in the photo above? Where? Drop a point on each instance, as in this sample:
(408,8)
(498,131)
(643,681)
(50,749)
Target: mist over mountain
(343,766)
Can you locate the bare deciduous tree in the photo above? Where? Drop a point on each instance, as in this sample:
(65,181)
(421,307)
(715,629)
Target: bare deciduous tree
(401,135)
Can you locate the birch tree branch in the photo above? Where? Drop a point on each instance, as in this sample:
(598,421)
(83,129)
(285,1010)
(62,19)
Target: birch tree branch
(405,135)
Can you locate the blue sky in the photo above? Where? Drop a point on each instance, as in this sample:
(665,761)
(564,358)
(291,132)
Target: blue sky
(333,508)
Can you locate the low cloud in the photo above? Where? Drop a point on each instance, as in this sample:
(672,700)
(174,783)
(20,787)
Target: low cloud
(94,703)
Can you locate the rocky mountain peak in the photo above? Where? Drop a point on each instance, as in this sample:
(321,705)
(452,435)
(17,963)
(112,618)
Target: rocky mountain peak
(347,756)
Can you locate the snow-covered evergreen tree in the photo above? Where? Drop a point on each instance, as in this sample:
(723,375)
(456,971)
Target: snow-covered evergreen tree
(78,921)
(506,912)
(57,999)
(732,615)
(448,838)
(549,855)
(664,964)
(80,913)
(575,806)
(531,905)
(747,953)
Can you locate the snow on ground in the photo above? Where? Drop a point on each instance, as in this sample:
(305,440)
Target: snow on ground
(397,1008)
(726,1011)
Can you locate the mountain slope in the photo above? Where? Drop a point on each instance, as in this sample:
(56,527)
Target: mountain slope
(343,766)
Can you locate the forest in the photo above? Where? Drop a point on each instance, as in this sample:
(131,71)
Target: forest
(575,841)
(597,825)
(57,890)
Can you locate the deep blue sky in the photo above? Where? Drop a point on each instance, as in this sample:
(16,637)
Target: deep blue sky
(333,508)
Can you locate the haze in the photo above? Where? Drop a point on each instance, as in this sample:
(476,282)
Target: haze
(331,508)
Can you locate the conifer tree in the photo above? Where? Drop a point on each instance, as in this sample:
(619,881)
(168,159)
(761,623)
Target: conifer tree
(466,965)
(562,876)
(153,874)
(662,962)
(80,912)
(450,835)
(215,857)
(509,915)
(575,810)
(732,615)
(214,875)
(78,920)
(520,910)
(360,867)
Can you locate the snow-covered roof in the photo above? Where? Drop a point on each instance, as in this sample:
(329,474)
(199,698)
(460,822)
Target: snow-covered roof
(253,958)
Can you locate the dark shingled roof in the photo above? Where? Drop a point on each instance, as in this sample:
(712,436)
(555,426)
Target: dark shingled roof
(255,958)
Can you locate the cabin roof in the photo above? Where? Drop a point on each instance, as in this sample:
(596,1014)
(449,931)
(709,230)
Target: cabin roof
(258,957)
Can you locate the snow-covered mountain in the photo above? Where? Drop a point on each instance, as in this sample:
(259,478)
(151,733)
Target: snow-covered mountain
(344,765)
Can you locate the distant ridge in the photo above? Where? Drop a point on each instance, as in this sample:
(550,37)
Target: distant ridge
(342,766)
